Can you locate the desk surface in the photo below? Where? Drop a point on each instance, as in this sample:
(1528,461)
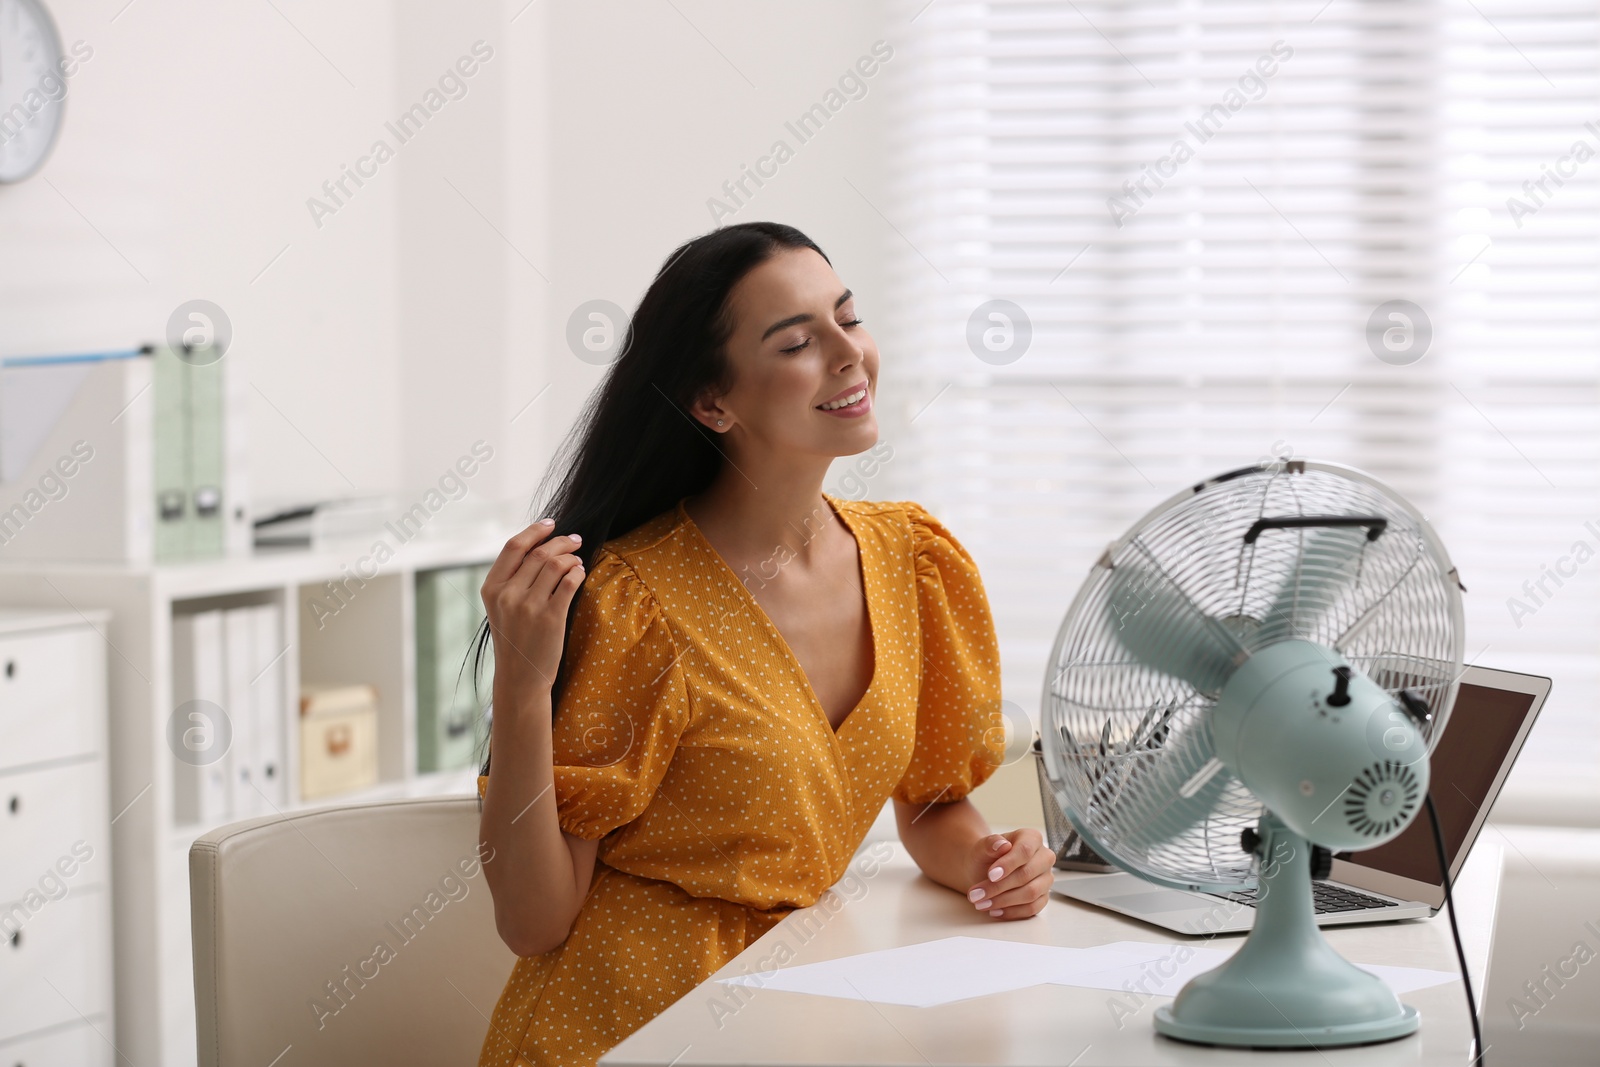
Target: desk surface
(1042,1025)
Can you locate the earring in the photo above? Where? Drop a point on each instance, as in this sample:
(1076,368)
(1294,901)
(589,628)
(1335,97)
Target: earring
(719,422)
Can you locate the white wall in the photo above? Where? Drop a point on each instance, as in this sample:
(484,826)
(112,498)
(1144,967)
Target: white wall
(460,254)
(655,107)
(193,135)
(430,307)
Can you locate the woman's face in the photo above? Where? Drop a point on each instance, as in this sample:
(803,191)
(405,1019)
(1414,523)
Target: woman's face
(796,345)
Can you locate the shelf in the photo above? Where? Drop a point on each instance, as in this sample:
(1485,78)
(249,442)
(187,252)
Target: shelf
(245,573)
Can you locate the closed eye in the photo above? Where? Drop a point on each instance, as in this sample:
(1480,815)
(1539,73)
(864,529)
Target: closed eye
(807,341)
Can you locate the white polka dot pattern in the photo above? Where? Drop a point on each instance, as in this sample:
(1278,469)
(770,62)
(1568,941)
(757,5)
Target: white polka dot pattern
(688,740)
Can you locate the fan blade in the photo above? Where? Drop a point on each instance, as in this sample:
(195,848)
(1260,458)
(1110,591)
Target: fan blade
(1161,627)
(1191,782)
(1325,566)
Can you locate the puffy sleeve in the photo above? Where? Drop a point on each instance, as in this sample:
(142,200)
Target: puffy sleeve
(960,738)
(623,705)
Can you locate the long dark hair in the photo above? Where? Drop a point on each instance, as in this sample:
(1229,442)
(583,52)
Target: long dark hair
(635,450)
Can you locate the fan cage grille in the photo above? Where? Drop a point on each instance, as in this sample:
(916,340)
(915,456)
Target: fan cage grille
(1121,739)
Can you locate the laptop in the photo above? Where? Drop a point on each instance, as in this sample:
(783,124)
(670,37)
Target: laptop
(1493,712)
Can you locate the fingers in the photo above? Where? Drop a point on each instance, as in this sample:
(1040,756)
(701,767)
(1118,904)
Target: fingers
(995,849)
(510,557)
(515,551)
(1028,899)
(564,572)
(553,547)
(1010,869)
(1018,880)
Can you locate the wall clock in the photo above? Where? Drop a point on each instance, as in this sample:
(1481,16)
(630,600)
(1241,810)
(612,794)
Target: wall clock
(33,87)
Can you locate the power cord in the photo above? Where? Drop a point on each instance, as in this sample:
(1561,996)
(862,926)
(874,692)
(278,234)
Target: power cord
(1455,931)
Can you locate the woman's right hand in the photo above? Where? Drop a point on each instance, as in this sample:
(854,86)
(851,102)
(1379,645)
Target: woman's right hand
(526,595)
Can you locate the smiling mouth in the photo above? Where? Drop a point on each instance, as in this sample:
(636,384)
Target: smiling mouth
(845,401)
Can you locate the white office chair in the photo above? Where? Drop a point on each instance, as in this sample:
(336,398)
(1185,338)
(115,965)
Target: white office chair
(355,934)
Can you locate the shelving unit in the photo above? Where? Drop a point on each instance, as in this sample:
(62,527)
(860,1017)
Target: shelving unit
(369,639)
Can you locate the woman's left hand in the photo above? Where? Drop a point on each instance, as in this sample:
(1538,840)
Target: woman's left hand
(1013,874)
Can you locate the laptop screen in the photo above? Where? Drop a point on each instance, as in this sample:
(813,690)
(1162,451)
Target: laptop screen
(1477,739)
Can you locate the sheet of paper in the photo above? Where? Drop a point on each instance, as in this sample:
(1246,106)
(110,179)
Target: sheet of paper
(956,968)
(924,975)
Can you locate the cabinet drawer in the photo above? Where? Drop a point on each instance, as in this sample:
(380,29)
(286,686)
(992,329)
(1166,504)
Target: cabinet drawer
(55,962)
(53,816)
(52,695)
(71,1046)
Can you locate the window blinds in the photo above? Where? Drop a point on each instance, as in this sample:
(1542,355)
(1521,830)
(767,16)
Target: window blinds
(1197,217)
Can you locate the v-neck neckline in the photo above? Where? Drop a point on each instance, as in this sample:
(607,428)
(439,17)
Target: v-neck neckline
(794,661)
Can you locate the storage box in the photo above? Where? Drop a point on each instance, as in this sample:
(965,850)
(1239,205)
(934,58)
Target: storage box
(338,739)
(130,456)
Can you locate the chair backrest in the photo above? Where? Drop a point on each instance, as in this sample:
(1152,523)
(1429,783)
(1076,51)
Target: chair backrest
(355,934)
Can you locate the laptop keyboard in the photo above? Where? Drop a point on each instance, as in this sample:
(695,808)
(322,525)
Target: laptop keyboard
(1325,897)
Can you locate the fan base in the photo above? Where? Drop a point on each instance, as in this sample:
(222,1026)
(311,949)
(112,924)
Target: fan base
(1366,1033)
(1286,987)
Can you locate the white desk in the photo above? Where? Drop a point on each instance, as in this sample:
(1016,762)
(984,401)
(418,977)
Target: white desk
(1043,1025)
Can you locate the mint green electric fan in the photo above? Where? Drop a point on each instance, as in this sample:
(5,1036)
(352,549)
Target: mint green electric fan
(1251,679)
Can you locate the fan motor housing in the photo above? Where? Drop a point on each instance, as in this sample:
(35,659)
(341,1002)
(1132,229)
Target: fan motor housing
(1345,773)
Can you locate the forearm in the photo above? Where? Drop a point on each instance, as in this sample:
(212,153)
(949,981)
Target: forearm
(531,877)
(940,837)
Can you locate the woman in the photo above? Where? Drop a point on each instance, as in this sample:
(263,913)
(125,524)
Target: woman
(720,747)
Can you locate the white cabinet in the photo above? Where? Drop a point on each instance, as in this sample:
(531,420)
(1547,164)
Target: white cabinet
(51,703)
(55,841)
(342,622)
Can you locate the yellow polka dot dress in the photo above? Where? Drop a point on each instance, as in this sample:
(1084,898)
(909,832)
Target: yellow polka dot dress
(689,740)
